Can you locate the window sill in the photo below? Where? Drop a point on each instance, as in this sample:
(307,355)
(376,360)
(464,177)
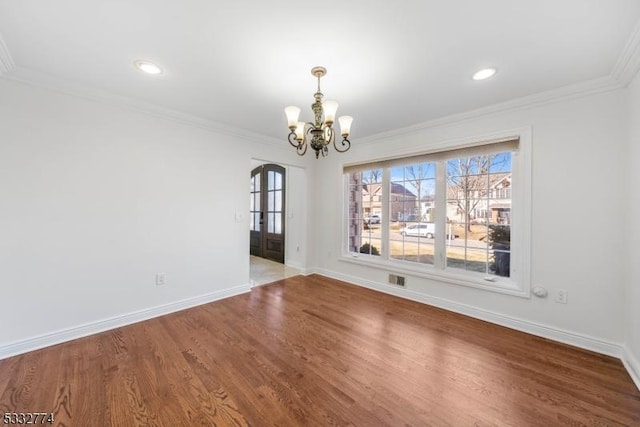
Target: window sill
(496,284)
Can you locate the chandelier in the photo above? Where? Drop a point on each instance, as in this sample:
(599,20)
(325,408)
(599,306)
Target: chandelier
(320,133)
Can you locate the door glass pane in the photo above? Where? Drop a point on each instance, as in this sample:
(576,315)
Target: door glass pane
(278,201)
(271,180)
(254,203)
(278,223)
(270,203)
(270,224)
(278,181)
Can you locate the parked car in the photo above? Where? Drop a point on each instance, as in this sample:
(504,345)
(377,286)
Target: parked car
(373,219)
(408,217)
(421,229)
(479,221)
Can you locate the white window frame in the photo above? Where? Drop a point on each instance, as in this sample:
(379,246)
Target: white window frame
(519,282)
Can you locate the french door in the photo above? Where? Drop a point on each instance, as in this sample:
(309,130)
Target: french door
(267,212)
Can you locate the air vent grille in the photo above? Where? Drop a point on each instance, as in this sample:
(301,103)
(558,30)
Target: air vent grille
(397,280)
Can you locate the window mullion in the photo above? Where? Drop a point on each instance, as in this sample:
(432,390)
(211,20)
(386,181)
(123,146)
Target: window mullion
(440,216)
(385,218)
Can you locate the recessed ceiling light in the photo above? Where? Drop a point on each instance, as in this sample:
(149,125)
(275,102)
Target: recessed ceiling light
(484,74)
(148,67)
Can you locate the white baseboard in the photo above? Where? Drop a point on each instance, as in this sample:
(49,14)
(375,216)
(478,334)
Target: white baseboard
(630,362)
(308,271)
(533,328)
(57,337)
(294,264)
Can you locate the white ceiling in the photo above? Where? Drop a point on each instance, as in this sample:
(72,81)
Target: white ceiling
(390,64)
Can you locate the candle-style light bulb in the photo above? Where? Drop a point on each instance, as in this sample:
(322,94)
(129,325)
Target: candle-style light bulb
(345,125)
(330,107)
(292,116)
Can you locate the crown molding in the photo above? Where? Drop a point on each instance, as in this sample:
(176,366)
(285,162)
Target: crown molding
(565,93)
(6,61)
(628,63)
(48,82)
(625,69)
(623,73)
(74,89)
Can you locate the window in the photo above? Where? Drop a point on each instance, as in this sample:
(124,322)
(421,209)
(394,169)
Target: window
(460,215)
(365,211)
(410,221)
(479,225)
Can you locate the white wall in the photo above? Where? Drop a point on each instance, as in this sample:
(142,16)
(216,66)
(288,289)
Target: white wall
(296,221)
(631,234)
(96,199)
(576,234)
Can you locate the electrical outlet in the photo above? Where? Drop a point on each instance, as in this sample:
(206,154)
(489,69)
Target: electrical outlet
(562,296)
(160,279)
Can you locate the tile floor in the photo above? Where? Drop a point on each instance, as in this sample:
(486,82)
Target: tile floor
(264,271)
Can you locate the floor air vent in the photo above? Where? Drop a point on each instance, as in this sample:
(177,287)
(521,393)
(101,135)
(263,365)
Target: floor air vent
(396,280)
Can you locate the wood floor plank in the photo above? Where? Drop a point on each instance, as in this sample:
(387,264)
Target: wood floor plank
(317,351)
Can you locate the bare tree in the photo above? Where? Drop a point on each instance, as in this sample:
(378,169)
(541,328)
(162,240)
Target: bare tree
(371,176)
(416,174)
(468,181)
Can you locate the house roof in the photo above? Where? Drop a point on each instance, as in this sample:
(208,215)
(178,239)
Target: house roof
(396,190)
(479,182)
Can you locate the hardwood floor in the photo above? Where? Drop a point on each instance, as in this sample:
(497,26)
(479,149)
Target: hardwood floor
(316,351)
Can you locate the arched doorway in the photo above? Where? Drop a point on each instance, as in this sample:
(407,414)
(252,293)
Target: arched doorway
(267,212)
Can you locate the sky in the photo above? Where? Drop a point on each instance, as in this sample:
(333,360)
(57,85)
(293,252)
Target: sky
(404,175)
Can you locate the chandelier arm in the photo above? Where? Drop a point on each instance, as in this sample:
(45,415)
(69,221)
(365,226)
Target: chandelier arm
(301,149)
(332,135)
(344,143)
(292,139)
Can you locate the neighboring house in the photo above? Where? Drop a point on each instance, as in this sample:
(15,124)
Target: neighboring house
(427,208)
(366,200)
(402,202)
(484,199)
(371,199)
